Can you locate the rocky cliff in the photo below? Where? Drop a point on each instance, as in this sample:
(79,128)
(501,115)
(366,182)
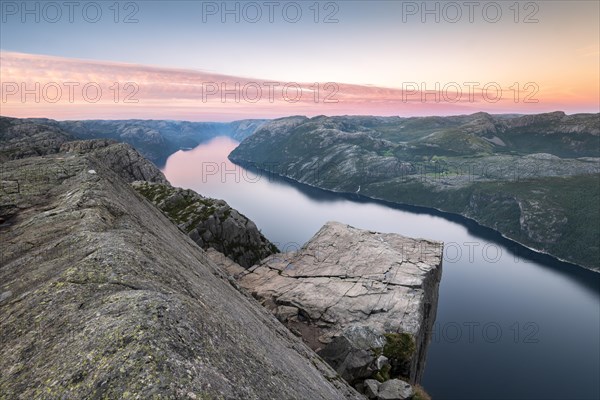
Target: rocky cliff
(365,301)
(210,223)
(121,158)
(101,296)
(21,138)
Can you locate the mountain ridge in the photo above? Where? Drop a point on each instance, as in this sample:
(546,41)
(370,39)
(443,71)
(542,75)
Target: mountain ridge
(154,139)
(539,191)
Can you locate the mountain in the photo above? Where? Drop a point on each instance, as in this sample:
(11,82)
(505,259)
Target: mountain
(156,140)
(102,296)
(533,178)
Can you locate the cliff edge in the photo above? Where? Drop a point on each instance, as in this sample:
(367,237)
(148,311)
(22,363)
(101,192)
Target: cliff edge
(365,301)
(101,296)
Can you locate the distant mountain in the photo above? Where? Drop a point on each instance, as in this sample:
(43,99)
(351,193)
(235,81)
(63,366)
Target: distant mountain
(533,178)
(154,139)
(209,222)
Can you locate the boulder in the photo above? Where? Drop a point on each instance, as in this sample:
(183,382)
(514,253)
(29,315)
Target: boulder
(371,388)
(381,362)
(352,353)
(395,389)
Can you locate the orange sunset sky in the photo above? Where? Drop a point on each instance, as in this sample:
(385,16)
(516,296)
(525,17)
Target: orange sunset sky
(184,60)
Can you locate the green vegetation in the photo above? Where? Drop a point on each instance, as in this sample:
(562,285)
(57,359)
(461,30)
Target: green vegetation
(420,393)
(190,211)
(186,209)
(573,200)
(399,347)
(484,167)
(383,374)
(154,193)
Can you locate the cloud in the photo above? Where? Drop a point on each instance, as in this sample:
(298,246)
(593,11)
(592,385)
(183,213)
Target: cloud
(64,88)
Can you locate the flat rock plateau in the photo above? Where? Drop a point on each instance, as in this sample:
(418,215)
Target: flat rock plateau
(363,300)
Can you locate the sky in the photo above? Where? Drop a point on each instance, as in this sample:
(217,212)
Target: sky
(220,61)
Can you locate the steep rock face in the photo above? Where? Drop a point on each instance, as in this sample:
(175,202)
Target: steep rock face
(119,157)
(210,222)
(101,296)
(240,130)
(541,224)
(354,295)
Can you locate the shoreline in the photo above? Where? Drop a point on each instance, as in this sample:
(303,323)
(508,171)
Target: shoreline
(454,217)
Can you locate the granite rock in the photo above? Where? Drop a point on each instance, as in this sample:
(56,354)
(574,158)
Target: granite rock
(210,222)
(395,389)
(359,294)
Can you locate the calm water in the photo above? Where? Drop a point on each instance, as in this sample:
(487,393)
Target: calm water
(510,324)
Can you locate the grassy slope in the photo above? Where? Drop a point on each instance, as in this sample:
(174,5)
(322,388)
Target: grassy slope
(575,198)
(565,215)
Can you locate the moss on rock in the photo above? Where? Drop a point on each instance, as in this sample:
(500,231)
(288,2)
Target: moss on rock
(210,222)
(399,349)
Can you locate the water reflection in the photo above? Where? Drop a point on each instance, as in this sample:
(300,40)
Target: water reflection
(511,323)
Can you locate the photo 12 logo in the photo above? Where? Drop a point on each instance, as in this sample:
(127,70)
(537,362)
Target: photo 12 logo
(69,11)
(253,92)
(471,92)
(68,92)
(453,12)
(253,12)
(488,332)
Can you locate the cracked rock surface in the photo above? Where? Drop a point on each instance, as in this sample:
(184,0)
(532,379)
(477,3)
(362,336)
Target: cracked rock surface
(356,284)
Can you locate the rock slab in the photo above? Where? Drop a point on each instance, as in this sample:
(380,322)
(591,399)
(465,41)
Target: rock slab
(354,295)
